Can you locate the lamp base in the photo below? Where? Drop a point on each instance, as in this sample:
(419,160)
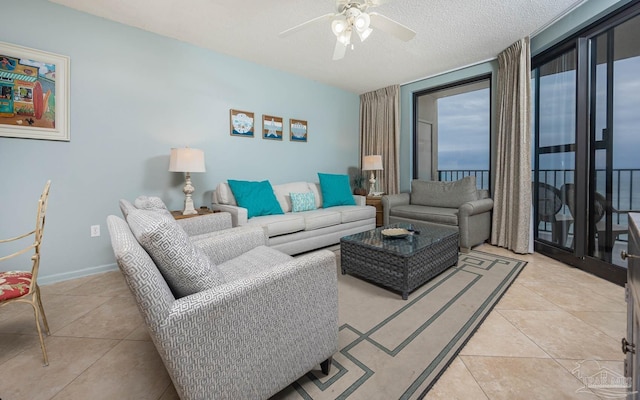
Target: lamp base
(372,186)
(188,201)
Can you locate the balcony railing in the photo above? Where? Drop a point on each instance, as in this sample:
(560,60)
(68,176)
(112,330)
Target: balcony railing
(482,176)
(626,182)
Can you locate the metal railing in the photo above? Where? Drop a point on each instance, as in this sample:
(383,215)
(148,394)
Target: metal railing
(482,176)
(625,181)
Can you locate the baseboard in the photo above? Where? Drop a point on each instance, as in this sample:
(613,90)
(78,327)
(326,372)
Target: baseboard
(49,279)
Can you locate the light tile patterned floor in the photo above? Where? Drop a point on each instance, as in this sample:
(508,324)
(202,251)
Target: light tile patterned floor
(552,318)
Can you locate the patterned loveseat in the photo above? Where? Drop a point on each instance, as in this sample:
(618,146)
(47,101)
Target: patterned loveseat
(230,317)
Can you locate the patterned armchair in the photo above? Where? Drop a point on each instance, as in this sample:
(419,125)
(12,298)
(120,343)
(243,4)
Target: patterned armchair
(230,317)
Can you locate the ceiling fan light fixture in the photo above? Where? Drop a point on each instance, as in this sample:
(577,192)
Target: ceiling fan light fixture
(339,25)
(364,34)
(362,22)
(345,37)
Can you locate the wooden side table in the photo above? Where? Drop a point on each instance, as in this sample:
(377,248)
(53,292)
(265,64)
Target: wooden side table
(201,211)
(376,201)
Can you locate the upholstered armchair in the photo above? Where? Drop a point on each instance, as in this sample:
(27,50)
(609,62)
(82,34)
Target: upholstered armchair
(457,203)
(230,317)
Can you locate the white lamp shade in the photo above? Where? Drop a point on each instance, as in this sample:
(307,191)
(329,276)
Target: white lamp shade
(186,160)
(372,163)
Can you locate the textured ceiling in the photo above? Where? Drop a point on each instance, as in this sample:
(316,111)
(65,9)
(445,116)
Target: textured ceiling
(450,33)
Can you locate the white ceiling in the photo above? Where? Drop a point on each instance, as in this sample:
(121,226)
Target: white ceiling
(450,33)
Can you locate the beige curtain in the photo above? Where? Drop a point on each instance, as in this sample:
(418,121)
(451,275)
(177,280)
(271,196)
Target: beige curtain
(380,134)
(512,194)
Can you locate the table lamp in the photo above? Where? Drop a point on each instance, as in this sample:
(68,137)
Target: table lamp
(372,163)
(187,160)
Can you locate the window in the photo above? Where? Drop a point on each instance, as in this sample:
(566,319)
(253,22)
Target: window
(452,135)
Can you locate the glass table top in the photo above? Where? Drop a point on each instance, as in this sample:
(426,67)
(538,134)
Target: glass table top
(421,236)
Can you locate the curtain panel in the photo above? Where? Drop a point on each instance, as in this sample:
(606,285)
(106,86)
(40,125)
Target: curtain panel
(380,134)
(512,191)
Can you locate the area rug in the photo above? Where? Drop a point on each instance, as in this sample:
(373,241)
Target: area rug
(396,349)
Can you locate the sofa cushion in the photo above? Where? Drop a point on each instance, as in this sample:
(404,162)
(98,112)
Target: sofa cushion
(224,195)
(184,266)
(440,215)
(257,260)
(321,218)
(355,213)
(336,190)
(284,190)
(279,224)
(315,188)
(302,201)
(257,197)
(444,194)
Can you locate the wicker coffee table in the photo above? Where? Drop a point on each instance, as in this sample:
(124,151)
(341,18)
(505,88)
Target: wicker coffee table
(400,264)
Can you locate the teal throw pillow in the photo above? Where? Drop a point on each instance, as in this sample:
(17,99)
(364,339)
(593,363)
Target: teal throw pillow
(257,197)
(336,190)
(302,201)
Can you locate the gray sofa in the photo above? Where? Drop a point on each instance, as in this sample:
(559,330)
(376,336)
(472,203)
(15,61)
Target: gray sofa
(230,317)
(297,232)
(457,203)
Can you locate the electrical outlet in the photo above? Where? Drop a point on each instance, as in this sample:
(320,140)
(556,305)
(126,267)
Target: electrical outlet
(95,230)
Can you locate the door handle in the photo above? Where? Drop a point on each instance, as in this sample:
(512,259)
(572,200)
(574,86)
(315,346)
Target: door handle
(624,255)
(628,347)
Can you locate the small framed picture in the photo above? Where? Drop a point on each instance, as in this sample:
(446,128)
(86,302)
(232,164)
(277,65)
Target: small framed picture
(298,129)
(241,123)
(272,127)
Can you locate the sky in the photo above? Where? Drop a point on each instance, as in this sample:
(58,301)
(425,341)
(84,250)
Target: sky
(463,120)
(463,131)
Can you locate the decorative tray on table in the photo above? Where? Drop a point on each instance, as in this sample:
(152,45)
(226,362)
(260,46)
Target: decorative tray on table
(395,233)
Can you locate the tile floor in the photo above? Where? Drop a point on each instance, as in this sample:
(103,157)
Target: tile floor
(552,318)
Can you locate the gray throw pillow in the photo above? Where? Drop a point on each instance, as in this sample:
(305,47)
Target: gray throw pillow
(444,194)
(184,266)
(150,203)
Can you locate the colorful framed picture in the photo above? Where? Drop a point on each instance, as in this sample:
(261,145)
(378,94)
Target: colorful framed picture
(34,93)
(298,130)
(241,123)
(272,127)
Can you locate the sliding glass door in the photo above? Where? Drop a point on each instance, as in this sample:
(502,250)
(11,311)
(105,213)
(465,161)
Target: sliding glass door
(586,153)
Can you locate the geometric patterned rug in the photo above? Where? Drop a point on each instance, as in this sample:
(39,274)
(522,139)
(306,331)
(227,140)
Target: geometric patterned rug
(396,349)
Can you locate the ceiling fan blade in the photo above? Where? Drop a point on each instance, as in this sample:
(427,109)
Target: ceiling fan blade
(304,25)
(339,51)
(392,27)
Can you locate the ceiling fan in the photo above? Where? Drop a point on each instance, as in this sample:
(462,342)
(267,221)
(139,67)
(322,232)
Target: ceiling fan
(352,16)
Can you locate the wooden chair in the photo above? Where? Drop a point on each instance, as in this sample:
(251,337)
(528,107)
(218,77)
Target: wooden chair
(22,286)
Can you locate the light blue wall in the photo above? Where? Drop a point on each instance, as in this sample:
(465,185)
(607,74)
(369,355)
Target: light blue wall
(571,23)
(134,95)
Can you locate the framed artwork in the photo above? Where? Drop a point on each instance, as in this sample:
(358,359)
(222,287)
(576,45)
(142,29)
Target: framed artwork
(272,127)
(298,129)
(241,123)
(34,93)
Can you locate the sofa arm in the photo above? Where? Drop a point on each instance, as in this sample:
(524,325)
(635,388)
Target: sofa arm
(475,207)
(391,200)
(215,341)
(231,243)
(239,215)
(360,200)
(205,223)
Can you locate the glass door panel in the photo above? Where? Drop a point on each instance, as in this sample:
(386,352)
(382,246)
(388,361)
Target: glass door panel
(554,130)
(614,139)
